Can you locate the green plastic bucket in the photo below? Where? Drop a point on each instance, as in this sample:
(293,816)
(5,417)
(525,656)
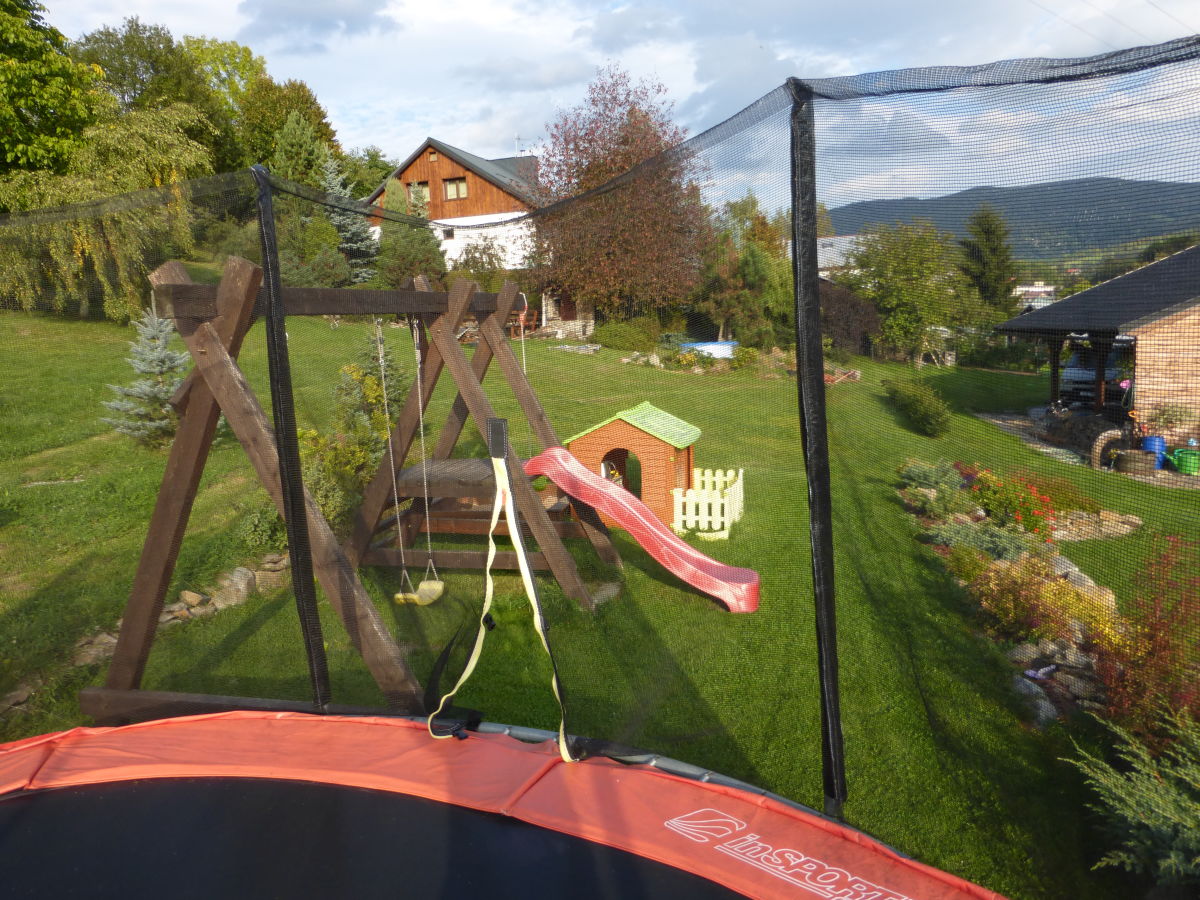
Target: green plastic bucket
(1187,461)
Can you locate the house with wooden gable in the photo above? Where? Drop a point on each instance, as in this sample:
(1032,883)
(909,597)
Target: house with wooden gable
(1156,309)
(467,198)
(463,192)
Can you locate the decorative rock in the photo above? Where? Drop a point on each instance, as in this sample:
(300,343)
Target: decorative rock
(175,607)
(654,360)
(1044,711)
(929,493)
(606,592)
(266,580)
(274,562)
(90,655)
(240,580)
(1073,657)
(15,698)
(1060,565)
(192,598)
(224,598)
(165,617)
(171,622)
(200,612)
(1079,633)
(1047,648)
(1082,688)
(105,640)
(1079,580)
(1023,654)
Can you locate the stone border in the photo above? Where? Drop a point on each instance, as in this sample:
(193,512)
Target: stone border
(233,589)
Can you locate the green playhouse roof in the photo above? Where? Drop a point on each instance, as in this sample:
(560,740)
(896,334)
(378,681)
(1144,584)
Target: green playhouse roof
(654,421)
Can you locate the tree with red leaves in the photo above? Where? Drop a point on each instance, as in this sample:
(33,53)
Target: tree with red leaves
(623,226)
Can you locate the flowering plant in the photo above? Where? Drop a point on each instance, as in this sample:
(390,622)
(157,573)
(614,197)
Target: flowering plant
(1015,502)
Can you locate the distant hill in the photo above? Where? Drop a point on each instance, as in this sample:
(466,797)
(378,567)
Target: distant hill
(1050,220)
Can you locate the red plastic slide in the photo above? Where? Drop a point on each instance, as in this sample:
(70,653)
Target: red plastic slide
(736,588)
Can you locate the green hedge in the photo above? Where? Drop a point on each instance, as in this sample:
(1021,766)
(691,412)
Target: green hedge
(923,406)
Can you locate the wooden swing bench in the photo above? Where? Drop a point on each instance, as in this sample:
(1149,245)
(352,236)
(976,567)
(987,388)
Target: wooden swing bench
(213,321)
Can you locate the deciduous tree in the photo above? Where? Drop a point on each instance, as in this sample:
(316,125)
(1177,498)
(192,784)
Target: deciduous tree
(46,98)
(634,243)
(146,68)
(265,107)
(909,272)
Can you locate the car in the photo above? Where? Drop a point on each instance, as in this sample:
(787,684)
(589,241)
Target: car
(1077,380)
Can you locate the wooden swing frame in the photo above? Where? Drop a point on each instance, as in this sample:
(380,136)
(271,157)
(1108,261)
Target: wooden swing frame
(213,321)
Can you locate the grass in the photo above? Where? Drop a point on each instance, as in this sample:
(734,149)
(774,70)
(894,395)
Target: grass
(941,760)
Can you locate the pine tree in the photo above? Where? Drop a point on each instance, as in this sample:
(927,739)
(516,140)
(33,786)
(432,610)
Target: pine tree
(987,260)
(357,243)
(143,410)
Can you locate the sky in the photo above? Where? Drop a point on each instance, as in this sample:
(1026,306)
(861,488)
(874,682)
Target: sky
(487,75)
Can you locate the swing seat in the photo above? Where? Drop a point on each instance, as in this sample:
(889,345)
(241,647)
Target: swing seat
(429,590)
(407,597)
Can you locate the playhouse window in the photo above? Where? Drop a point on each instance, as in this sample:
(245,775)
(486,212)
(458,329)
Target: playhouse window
(456,188)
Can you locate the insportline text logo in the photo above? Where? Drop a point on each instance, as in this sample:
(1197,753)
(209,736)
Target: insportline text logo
(711,826)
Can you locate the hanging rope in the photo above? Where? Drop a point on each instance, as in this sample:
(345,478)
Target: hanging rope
(405,581)
(429,567)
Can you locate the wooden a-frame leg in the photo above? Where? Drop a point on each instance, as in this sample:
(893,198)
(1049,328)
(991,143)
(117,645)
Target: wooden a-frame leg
(181,480)
(562,564)
(367,631)
(493,337)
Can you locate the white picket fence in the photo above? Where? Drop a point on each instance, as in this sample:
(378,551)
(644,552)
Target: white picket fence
(711,506)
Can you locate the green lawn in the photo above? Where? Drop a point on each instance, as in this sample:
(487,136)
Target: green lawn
(941,761)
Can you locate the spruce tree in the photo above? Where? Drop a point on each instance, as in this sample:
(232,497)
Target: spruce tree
(299,154)
(987,260)
(407,250)
(143,410)
(357,243)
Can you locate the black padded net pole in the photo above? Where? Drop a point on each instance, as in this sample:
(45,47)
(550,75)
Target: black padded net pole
(811,385)
(291,481)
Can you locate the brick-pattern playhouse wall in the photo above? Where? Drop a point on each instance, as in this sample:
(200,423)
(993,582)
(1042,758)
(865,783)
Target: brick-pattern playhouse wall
(663,467)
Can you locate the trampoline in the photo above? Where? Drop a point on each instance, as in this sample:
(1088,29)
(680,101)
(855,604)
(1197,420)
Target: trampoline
(267,804)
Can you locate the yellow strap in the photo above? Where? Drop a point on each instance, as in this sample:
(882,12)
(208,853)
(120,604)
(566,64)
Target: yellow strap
(504,500)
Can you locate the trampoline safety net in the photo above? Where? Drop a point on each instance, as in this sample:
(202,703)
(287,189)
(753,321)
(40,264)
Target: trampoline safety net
(881,408)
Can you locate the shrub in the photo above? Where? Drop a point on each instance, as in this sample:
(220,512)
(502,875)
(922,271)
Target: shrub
(1026,599)
(648,324)
(1160,665)
(967,563)
(743,357)
(998,543)
(923,406)
(1152,804)
(263,531)
(623,336)
(1012,501)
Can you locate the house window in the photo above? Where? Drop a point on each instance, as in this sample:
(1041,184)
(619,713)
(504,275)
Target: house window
(433,156)
(447,234)
(418,192)
(456,188)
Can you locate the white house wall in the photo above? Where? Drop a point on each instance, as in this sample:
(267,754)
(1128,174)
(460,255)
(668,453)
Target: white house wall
(513,237)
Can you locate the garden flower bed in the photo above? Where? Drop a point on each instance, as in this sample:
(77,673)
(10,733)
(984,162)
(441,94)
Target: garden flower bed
(1073,648)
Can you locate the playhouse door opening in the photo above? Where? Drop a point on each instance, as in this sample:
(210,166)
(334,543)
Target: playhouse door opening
(624,468)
